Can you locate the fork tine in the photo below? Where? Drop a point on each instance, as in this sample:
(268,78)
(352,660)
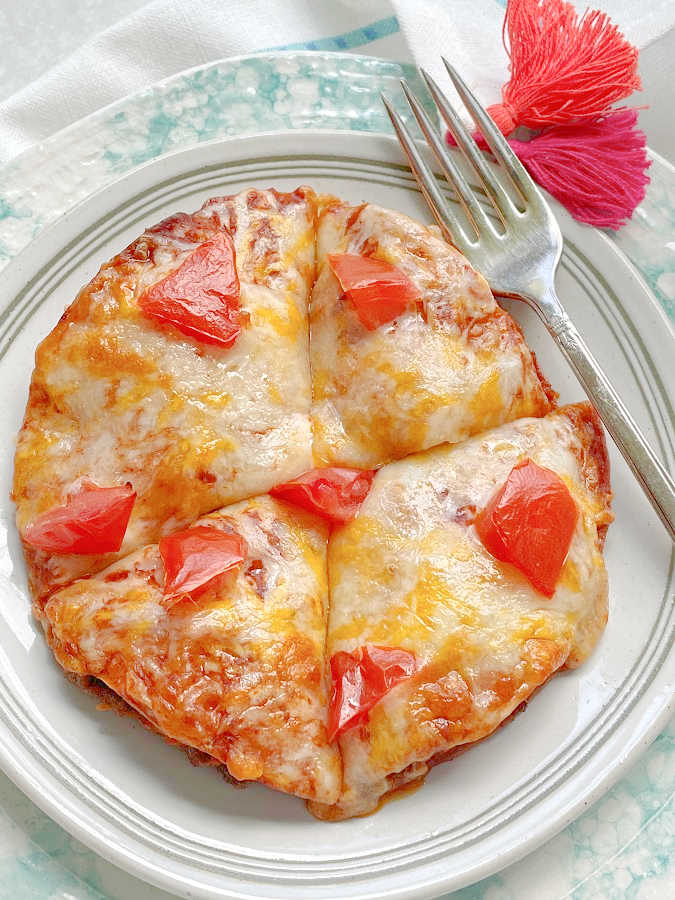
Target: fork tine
(500,199)
(448,222)
(495,139)
(451,170)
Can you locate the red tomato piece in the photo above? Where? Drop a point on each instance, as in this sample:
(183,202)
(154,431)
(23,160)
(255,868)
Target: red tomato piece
(360,679)
(378,291)
(334,493)
(529,523)
(201,297)
(194,557)
(92,521)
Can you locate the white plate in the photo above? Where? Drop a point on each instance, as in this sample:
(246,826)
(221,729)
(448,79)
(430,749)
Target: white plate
(136,800)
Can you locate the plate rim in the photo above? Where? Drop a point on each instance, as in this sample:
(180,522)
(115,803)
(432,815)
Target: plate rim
(13,272)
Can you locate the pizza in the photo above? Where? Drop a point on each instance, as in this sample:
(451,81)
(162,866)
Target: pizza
(293,491)
(237,671)
(434,639)
(182,407)
(439,361)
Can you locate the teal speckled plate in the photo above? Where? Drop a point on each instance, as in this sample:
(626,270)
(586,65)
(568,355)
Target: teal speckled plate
(137,801)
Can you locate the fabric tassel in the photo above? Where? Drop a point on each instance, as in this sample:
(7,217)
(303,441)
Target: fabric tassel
(562,68)
(595,169)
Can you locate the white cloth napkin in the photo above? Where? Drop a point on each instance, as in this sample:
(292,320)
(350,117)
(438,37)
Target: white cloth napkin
(168,36)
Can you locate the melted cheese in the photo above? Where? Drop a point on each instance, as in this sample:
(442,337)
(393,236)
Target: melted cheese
(239,674)
(423,379)
(411,572)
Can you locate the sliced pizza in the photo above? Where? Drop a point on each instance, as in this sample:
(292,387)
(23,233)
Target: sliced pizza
(178,381)
(408,347)
(193,374)
(468,576)
(215,636)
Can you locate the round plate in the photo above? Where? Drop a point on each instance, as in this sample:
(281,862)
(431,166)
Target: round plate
(136,800)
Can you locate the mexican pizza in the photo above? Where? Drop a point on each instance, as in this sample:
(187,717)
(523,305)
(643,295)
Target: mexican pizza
(438,360)
(434,639)
(178,381)
(230,663)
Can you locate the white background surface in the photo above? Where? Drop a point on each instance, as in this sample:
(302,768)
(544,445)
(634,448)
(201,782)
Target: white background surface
(37,34)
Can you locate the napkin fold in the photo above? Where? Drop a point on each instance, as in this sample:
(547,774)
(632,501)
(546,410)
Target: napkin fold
(169,36)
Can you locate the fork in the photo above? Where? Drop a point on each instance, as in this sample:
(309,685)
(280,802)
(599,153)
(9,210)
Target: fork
(520,260)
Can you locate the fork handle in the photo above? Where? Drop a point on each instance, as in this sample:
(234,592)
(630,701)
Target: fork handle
(651,474)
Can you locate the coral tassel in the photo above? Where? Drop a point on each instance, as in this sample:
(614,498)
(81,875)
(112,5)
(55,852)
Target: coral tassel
(562,68)
(595,169)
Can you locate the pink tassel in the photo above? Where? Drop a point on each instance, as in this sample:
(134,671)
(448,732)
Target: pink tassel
(596,169)
(562,67)
(566,72)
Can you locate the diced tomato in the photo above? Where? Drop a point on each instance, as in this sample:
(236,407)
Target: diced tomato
(529,523)
(201,297)
(92,521)
(378,291)
(334,493)
(194,557)
(360,679)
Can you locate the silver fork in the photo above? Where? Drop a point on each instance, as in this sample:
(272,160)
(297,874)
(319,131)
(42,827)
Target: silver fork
(520,261)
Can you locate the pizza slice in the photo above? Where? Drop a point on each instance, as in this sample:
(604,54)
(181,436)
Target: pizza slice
(178,381)
(468,576)
(408,347)
(216,637)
